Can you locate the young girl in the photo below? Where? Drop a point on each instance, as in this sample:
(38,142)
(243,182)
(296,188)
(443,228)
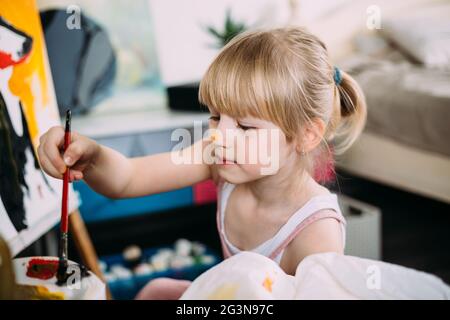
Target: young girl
(280,81)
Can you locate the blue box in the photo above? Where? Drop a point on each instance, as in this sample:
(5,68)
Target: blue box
(96,207)
(126,289)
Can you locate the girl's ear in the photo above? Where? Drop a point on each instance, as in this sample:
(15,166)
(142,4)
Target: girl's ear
(311,136)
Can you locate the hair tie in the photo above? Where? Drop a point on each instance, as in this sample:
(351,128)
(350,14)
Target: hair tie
(337,76)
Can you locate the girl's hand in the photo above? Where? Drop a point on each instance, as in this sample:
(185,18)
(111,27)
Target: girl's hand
(81,153)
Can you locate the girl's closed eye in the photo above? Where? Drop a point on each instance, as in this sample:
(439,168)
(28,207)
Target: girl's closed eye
(215,118)
(245,127)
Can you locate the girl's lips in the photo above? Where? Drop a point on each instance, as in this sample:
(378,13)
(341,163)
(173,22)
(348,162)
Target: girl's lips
(225,162)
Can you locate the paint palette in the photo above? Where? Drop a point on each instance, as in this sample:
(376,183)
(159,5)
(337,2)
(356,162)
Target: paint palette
(184,260)
(41,272)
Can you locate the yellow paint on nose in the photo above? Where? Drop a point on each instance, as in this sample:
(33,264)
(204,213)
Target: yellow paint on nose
(214,136)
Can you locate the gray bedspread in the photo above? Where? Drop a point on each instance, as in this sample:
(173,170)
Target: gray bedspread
(406,102)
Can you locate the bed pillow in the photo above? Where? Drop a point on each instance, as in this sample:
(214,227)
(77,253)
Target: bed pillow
(424,37)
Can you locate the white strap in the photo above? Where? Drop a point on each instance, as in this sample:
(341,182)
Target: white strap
(313,205)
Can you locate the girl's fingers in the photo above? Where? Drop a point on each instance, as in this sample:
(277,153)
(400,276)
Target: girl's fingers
(73,153)
(53,162)
(71,176)
(75,175)
(76,172)
(55,136)
(49,168)
(51,152)
(78,176)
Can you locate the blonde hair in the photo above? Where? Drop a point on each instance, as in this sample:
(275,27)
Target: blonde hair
(284,75)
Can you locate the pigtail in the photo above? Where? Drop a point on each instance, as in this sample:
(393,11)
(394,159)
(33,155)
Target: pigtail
(351,110)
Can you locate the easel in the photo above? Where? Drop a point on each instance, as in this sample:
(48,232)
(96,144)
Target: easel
(24,16)
(85,247)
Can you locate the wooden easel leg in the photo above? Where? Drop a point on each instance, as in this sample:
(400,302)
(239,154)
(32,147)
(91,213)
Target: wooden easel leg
(85,247)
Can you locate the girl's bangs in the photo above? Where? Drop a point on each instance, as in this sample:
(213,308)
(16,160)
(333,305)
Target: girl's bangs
(234,85)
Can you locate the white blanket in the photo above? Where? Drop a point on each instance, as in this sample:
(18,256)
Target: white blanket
(249,275)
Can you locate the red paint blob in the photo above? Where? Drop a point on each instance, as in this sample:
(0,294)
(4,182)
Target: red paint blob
(43,269)
(6,60)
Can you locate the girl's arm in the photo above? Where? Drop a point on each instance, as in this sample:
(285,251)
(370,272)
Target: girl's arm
(115,176)
(324,235)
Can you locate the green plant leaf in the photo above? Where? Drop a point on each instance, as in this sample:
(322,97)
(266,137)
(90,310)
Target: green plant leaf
(231,29)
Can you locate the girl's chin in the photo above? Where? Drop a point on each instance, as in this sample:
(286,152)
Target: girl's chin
(226,164)
(229,175)
(234,177)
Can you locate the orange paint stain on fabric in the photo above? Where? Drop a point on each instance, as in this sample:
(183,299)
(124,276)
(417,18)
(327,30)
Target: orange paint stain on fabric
(267,284)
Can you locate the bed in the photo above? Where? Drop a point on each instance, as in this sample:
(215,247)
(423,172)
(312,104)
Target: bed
(404,70)
(383,159)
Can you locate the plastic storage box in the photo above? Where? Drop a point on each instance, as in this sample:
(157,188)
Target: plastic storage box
(126,287)
(363,232)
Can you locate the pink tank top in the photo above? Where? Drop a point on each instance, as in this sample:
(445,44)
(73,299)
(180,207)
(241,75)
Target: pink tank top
(273,248)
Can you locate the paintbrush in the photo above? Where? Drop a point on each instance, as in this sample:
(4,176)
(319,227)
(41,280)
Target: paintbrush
(63,258)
